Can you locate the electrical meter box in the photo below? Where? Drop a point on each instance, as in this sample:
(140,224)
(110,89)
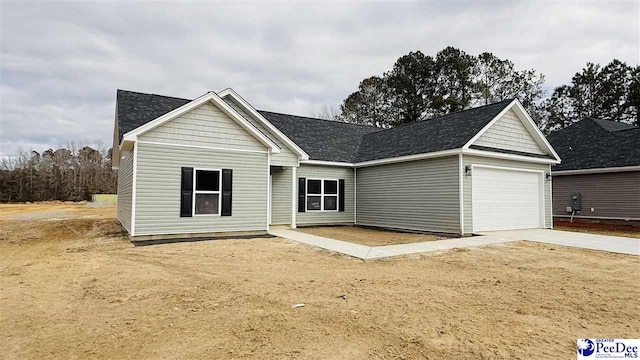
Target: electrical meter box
(575,202)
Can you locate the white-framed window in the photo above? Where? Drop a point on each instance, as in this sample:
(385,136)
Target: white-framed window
(206,192)
(322,195)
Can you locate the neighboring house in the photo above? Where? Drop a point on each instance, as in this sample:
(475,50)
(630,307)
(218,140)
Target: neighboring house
(216,165)
(601,162)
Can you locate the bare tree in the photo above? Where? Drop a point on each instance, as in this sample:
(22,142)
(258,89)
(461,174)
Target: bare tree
(327,112)
(72,172)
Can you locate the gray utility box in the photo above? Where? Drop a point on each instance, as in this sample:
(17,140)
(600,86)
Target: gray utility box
(576,202)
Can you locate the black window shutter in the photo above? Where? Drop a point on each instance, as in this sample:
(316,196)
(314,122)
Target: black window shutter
(227,186)
(302,192)
(186,192)
(341,195)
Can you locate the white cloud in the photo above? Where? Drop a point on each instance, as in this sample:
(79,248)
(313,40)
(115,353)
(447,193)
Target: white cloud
(61,62)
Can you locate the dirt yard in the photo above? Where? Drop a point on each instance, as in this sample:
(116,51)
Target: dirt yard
(76,288)
(369,237)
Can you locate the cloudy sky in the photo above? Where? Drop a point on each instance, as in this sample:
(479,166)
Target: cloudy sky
(61,62)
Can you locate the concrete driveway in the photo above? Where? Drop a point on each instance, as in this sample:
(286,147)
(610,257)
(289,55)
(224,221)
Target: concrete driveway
(614,244)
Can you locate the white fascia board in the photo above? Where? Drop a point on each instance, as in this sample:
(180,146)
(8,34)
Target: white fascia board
(257,116)
(528,123)
(220,104)
(504,156)
(326,163)
(596,171)
(408,158)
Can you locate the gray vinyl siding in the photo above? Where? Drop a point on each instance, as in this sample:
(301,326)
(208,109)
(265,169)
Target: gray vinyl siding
(509,133)
(467,187)
(205,125)
(125,185)
(417,195)
(611,195)
(280,195)
(327,217)
(286,157)
(158,190)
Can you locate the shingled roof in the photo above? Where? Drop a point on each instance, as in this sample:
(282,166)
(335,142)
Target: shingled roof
(446,132)
(325,140)
(136,109)
(596,143)
(331,140)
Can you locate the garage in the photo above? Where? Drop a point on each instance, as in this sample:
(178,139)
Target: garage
(506,199)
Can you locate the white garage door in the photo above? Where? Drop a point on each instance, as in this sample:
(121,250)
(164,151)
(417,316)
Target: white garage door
(506,199)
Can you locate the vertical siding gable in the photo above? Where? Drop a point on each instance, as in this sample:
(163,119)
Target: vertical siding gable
(205,125)
(509,133)
(286,157)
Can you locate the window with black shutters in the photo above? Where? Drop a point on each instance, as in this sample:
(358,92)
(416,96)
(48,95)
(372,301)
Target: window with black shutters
(322,195)
(206,194)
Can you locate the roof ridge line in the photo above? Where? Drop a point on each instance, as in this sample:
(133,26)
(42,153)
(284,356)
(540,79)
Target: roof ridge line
(312,118)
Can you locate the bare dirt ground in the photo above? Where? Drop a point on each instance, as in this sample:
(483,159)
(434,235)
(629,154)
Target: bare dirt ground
(369,237)
(76,288)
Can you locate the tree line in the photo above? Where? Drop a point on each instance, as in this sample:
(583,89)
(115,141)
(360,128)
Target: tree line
(71,173)
(417,87)
(421,86)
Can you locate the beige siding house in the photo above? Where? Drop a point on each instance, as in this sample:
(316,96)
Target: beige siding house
(216,166)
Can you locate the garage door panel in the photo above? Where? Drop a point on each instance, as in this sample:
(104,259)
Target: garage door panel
(505,199)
